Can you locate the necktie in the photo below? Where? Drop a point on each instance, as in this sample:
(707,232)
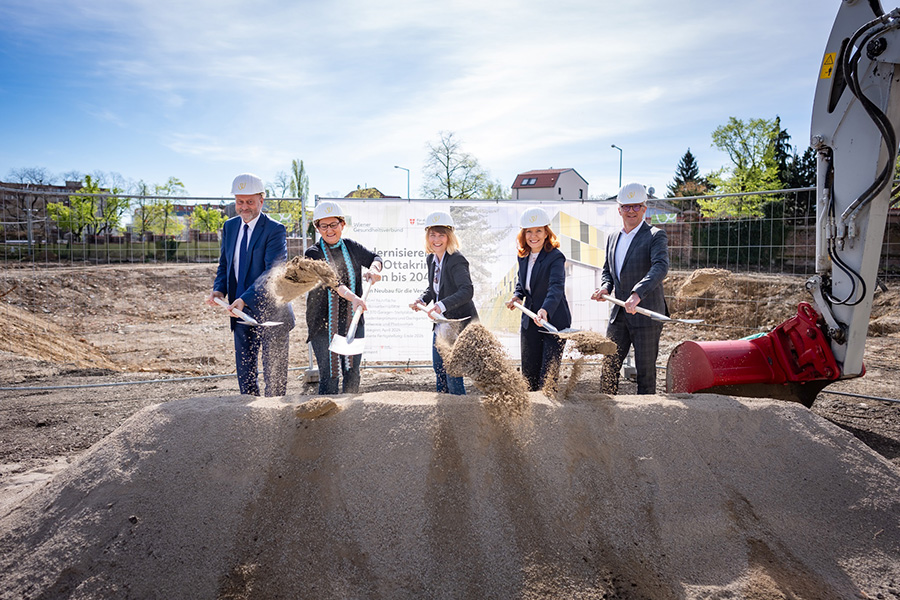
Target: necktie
(243,253)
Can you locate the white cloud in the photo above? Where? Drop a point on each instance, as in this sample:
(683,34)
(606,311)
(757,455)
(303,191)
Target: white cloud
(355,87)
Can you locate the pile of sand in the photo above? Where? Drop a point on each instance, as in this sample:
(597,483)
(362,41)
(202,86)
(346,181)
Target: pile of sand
(701,281)
(27,334)
(407,495)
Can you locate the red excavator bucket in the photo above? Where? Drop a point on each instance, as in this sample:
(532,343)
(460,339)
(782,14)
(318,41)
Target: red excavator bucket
(792,362)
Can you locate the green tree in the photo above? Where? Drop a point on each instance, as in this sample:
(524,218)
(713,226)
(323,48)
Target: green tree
(495,190)
(140,216)
(160,217)
(300,189)
(94,210)
(207,220)
(289,212)
(688,181)
(452,173)
(751,148)
(299,184)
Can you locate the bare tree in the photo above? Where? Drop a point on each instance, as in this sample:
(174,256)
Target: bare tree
(282,184)
(452,173)
(35,175)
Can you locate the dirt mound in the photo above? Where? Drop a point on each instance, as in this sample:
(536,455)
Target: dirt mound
(886,325)
(29,335)
(422,496)
(701,281)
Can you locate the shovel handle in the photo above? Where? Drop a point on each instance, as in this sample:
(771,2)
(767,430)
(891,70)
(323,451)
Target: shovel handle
(244,316)
(543,322)
(643,311)
(351,331)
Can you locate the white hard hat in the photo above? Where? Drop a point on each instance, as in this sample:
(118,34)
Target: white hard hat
(327,209)
(247,184)
(439,218)
(534,217)
(632,193)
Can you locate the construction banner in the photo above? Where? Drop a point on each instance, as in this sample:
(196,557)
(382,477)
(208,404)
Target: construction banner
(487,231)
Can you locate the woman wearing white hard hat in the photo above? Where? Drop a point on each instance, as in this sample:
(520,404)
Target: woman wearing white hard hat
(329,312)
(449,288)
(541,287)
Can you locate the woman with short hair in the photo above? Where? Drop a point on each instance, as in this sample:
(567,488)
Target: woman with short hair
(329,312)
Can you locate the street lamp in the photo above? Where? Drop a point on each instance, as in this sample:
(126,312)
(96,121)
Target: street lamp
(620,164)
(407,179)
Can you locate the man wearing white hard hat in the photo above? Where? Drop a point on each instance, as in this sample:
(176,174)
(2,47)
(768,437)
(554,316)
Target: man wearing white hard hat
(541,288)
(252,244)
(637,260)
(329,312)
(449,290)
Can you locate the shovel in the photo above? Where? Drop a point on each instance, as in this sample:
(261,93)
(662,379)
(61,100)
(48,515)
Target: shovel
(653,315)
(348,346)
(245,319)
(550,328)
(440,318)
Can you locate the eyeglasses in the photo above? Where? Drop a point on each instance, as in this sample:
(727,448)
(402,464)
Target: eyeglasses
(632,207)
(327,226)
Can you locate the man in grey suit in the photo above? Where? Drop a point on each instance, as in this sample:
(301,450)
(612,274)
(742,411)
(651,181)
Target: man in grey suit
(637,260)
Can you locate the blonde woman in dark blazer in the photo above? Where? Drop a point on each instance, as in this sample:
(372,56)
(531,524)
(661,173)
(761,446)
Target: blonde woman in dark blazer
(449,288)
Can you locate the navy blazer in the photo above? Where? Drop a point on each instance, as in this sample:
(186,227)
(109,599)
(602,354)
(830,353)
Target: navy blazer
(643,271)
(548,288)
(456,289)
(268,247)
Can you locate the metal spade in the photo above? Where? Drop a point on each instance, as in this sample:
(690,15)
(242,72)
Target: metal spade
(244,318)
(349,346)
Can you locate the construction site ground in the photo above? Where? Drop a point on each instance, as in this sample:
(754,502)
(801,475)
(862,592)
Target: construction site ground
(66,326)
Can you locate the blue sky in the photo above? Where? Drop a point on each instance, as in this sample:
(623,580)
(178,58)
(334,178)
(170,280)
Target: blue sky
(203,90)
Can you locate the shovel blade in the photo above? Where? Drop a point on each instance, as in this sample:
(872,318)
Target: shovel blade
(339,345)
(258,324)
(559,331)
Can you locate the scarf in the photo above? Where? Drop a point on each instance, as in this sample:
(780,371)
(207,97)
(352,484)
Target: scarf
(344,267)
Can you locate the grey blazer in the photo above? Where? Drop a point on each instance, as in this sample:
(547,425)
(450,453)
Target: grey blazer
(643,271)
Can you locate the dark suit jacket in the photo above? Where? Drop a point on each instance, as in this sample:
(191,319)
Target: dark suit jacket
(456,289)
(643,271)
(268,247)
(548,288)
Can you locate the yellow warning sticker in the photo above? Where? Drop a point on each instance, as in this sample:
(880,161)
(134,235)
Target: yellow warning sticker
(828,65)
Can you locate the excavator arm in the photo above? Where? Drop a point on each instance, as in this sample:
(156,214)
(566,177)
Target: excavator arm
(854,132)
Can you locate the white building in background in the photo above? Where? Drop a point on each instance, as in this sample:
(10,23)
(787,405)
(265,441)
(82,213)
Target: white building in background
(550,184)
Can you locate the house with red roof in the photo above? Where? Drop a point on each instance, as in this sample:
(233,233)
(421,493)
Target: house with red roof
(550,184)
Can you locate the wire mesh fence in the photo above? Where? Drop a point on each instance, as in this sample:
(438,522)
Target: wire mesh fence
(764,235)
